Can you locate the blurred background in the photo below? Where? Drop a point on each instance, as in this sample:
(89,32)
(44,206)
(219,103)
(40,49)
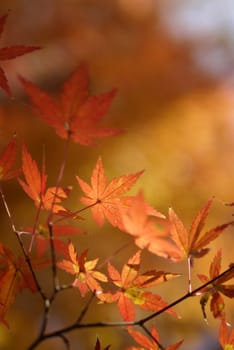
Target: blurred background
(172,63)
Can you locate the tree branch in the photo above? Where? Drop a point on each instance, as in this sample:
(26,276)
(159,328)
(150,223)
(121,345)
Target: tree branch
(140,322)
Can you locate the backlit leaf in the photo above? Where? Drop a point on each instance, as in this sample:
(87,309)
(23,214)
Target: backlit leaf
(76,114)
(106,200)
(192,242)
(215,289)
(130,288)
(7,159)
(8,53)
(14,277)
(149,232)
(35,185)
(147,343)
(86,278)
(226,340)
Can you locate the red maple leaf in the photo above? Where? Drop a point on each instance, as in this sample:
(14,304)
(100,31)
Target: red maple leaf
(35,186)
(86,278)
(146,343)
(215,289)
(14,277)
(8,53)
(106,200)
(7,159)
(76,114)
(149,228)
(192,243)
(98,345)
(130,288)
(226,341)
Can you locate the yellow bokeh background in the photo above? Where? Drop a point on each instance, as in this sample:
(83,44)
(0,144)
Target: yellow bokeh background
(174,76)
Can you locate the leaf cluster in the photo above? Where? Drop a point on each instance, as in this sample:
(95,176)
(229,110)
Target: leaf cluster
(77,117)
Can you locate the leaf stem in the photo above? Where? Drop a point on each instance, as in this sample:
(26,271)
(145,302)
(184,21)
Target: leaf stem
(186,296)
(189,275)
(50,217)
(152,337)
(53,258)
(35,226)
(60,176)
(75,213)
(140,322)
(85,309)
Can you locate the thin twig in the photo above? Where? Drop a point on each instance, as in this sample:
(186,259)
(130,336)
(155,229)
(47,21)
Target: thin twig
(189,275)
(66,341)
(85,309)
(50,217)
(185,296)
(35,226)
(60,177)
(47,305)
(152,337)
(140,322)
(53,260)
(17,234)
(117,251)
(75,213)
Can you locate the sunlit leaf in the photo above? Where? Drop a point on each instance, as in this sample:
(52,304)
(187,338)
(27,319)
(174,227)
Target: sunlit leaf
(106,200)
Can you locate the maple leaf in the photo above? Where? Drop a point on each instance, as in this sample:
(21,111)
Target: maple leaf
(217,287)
(130,284)
(149,232)
(98,345)
(7,159)
(42,237)
(76,115)
(35,185)
(14,277)
(8,53)
(149,344)
(106,200)
(192,243)
(226,341)
(86,278)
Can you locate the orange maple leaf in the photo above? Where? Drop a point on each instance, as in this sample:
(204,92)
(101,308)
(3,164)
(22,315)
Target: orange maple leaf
(150,228)
(14,277)
(35,185)
(7,159)
(215,289)
(130,288)
(146,343)
(76,115)
(86,278)
(192,243)
(98,345)
(8,53)
(225,340)
(106,200)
